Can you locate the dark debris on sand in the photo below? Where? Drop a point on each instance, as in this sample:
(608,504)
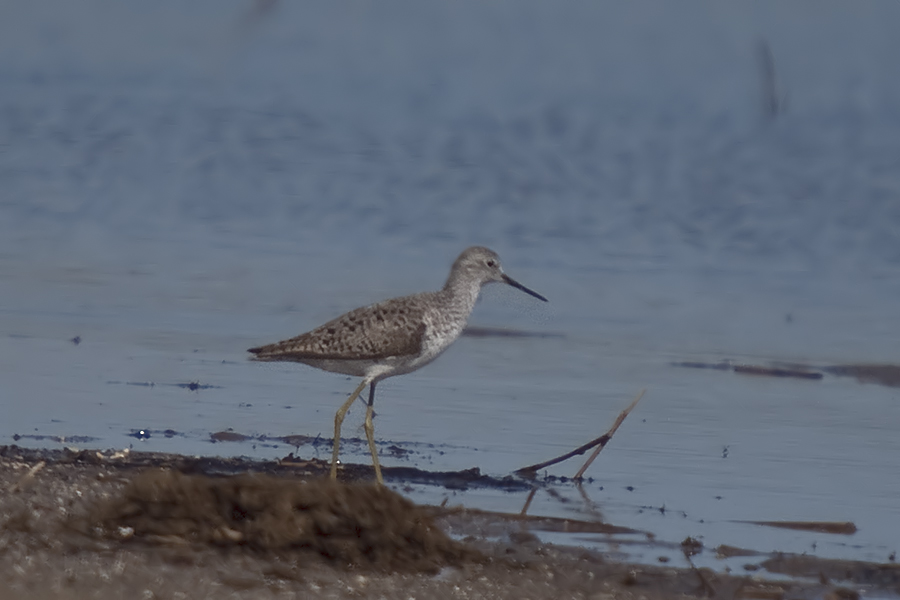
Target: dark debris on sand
(351,524)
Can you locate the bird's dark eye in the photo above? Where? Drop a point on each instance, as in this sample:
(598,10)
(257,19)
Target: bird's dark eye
(491,263)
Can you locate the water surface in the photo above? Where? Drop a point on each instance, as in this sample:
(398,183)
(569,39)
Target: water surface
(183,183)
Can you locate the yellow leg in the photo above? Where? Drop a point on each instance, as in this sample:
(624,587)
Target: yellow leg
(338,419)
(370,435)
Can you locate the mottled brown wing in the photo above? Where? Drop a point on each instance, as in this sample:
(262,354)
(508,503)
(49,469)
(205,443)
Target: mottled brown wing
(391,328)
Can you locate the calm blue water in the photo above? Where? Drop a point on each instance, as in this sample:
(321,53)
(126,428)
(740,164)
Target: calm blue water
(178,184)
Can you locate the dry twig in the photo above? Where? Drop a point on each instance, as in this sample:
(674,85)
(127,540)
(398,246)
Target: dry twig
(599,442)
(528,501)
(26,479)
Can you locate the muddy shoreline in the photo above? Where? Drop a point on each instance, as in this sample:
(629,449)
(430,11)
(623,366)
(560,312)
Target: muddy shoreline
(89,524)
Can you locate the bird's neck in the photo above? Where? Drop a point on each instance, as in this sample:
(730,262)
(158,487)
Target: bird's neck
(461,292)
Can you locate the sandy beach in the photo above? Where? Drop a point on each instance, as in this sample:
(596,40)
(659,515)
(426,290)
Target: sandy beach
(109,525)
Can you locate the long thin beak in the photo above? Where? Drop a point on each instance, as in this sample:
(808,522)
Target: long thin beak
(509,280)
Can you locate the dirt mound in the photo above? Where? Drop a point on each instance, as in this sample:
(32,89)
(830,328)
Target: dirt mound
(365,525)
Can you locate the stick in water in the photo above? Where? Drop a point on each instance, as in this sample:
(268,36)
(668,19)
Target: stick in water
(600,442)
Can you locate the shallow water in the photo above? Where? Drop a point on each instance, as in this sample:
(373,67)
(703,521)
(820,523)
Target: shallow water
(181,186)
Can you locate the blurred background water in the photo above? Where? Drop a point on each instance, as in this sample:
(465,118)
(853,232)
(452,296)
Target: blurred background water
(689,181)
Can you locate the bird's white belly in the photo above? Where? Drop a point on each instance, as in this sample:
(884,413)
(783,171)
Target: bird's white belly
(346,366)
(435,342)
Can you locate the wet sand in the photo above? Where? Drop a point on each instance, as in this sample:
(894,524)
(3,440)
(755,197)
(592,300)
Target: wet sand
(111,525)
